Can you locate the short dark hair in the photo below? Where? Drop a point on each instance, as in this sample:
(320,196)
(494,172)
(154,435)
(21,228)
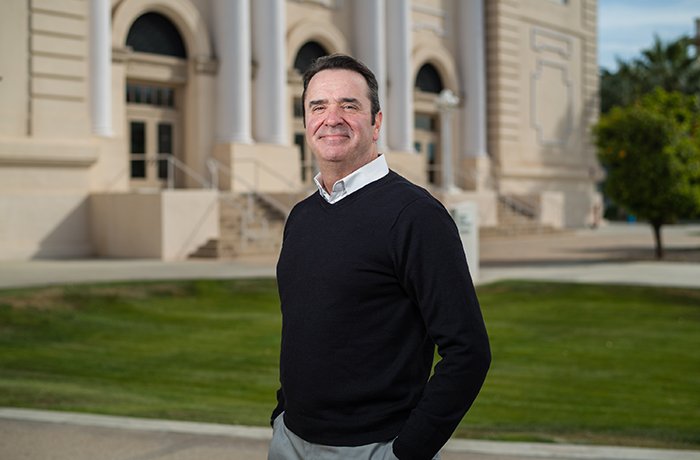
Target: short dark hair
(343,62)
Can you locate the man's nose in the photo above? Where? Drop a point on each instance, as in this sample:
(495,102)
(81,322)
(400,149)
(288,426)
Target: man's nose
(333,116)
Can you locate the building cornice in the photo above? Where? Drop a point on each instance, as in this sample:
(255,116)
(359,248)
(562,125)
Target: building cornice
(47,153)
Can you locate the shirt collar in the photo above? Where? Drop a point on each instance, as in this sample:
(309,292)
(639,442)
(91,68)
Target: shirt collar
(372,171)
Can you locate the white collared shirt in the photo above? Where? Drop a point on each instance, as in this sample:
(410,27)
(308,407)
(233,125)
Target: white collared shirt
(372,171)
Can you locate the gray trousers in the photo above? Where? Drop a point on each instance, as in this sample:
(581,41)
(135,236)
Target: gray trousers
(285,445)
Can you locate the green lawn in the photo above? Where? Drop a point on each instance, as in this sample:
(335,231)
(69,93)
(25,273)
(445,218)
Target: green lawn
(575,363)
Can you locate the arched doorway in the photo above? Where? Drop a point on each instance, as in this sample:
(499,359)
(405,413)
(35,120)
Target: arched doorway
(155,83)
(426,134)
(306,55)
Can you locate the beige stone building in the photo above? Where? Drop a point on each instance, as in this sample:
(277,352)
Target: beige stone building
(159,128)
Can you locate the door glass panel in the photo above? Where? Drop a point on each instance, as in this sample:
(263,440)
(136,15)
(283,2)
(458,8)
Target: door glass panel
(166,97)
(307,162)
(137,132)
(165,147)
(299,142)
(298,109)
(432,169)
(157,96)
(149,95)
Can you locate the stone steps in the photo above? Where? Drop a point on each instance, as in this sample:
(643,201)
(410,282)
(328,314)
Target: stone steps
(209,250)
(256,229)
(515,221)
(247,226)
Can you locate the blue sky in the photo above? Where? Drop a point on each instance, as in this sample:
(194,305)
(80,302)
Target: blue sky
(625,27)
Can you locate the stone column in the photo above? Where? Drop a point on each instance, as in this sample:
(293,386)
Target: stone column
(400,101)
(232,30)
(472,63)
(447,102)
(370,22)
(101,67)
(269,52)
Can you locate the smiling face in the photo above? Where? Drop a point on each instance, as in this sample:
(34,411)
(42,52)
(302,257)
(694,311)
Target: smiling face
(338,119)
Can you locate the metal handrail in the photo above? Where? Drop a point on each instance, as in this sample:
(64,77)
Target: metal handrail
(519,206)
(437,168)
(261,166)
(173,163)
(191,172)
(215,166)
(252,190)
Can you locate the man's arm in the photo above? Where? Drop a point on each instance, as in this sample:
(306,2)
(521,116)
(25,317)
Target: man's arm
(432,267)
(280,406)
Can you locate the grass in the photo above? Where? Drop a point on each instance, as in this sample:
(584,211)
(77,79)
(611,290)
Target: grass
(184,350)
(575,363)
(602,364)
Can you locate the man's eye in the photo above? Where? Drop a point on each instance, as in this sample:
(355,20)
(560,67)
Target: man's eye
(316,108)
(350,107)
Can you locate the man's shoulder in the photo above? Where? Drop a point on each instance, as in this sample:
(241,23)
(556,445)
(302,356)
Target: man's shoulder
(399,186)
(404,192)
(308,201)
(305,205)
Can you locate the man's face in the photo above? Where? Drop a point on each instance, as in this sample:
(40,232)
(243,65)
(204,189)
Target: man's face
(338,119)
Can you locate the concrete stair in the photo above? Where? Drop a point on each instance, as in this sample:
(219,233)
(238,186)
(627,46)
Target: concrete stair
(253,225)
(516,219)
(209,250)
(248,225)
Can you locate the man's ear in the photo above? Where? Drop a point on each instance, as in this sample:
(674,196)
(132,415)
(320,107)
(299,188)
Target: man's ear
(377,124)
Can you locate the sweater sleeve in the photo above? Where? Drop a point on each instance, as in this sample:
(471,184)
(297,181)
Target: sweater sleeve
(431,265)
(279,408)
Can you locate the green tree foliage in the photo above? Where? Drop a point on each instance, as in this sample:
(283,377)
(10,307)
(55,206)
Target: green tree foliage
(651,151)
(673,66)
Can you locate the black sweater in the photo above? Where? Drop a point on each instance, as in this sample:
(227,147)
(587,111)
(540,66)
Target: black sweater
(368,287)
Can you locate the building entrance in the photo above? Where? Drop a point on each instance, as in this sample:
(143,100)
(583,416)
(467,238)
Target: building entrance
(426,143)
(154,127)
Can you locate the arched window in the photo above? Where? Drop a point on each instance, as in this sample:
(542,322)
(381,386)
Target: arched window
(307,55)
(155,34)
(428,79)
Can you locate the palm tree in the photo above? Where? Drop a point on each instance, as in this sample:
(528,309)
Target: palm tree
(619,88)
(673,66)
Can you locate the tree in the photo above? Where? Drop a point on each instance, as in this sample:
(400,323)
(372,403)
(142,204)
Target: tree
(672,66)
(651,151)
(620,88)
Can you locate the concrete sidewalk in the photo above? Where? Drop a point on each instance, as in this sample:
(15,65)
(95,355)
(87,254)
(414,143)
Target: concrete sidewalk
(612,254)
(48,272)
(617,253)
(31,434)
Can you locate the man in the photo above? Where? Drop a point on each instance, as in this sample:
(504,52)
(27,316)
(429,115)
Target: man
(372,275)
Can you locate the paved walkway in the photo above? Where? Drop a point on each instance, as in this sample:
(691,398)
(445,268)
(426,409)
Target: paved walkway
(30,434)
(611,254)
(618,253)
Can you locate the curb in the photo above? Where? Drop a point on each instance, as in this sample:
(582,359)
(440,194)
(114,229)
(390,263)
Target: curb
(567,451)
(138,424)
